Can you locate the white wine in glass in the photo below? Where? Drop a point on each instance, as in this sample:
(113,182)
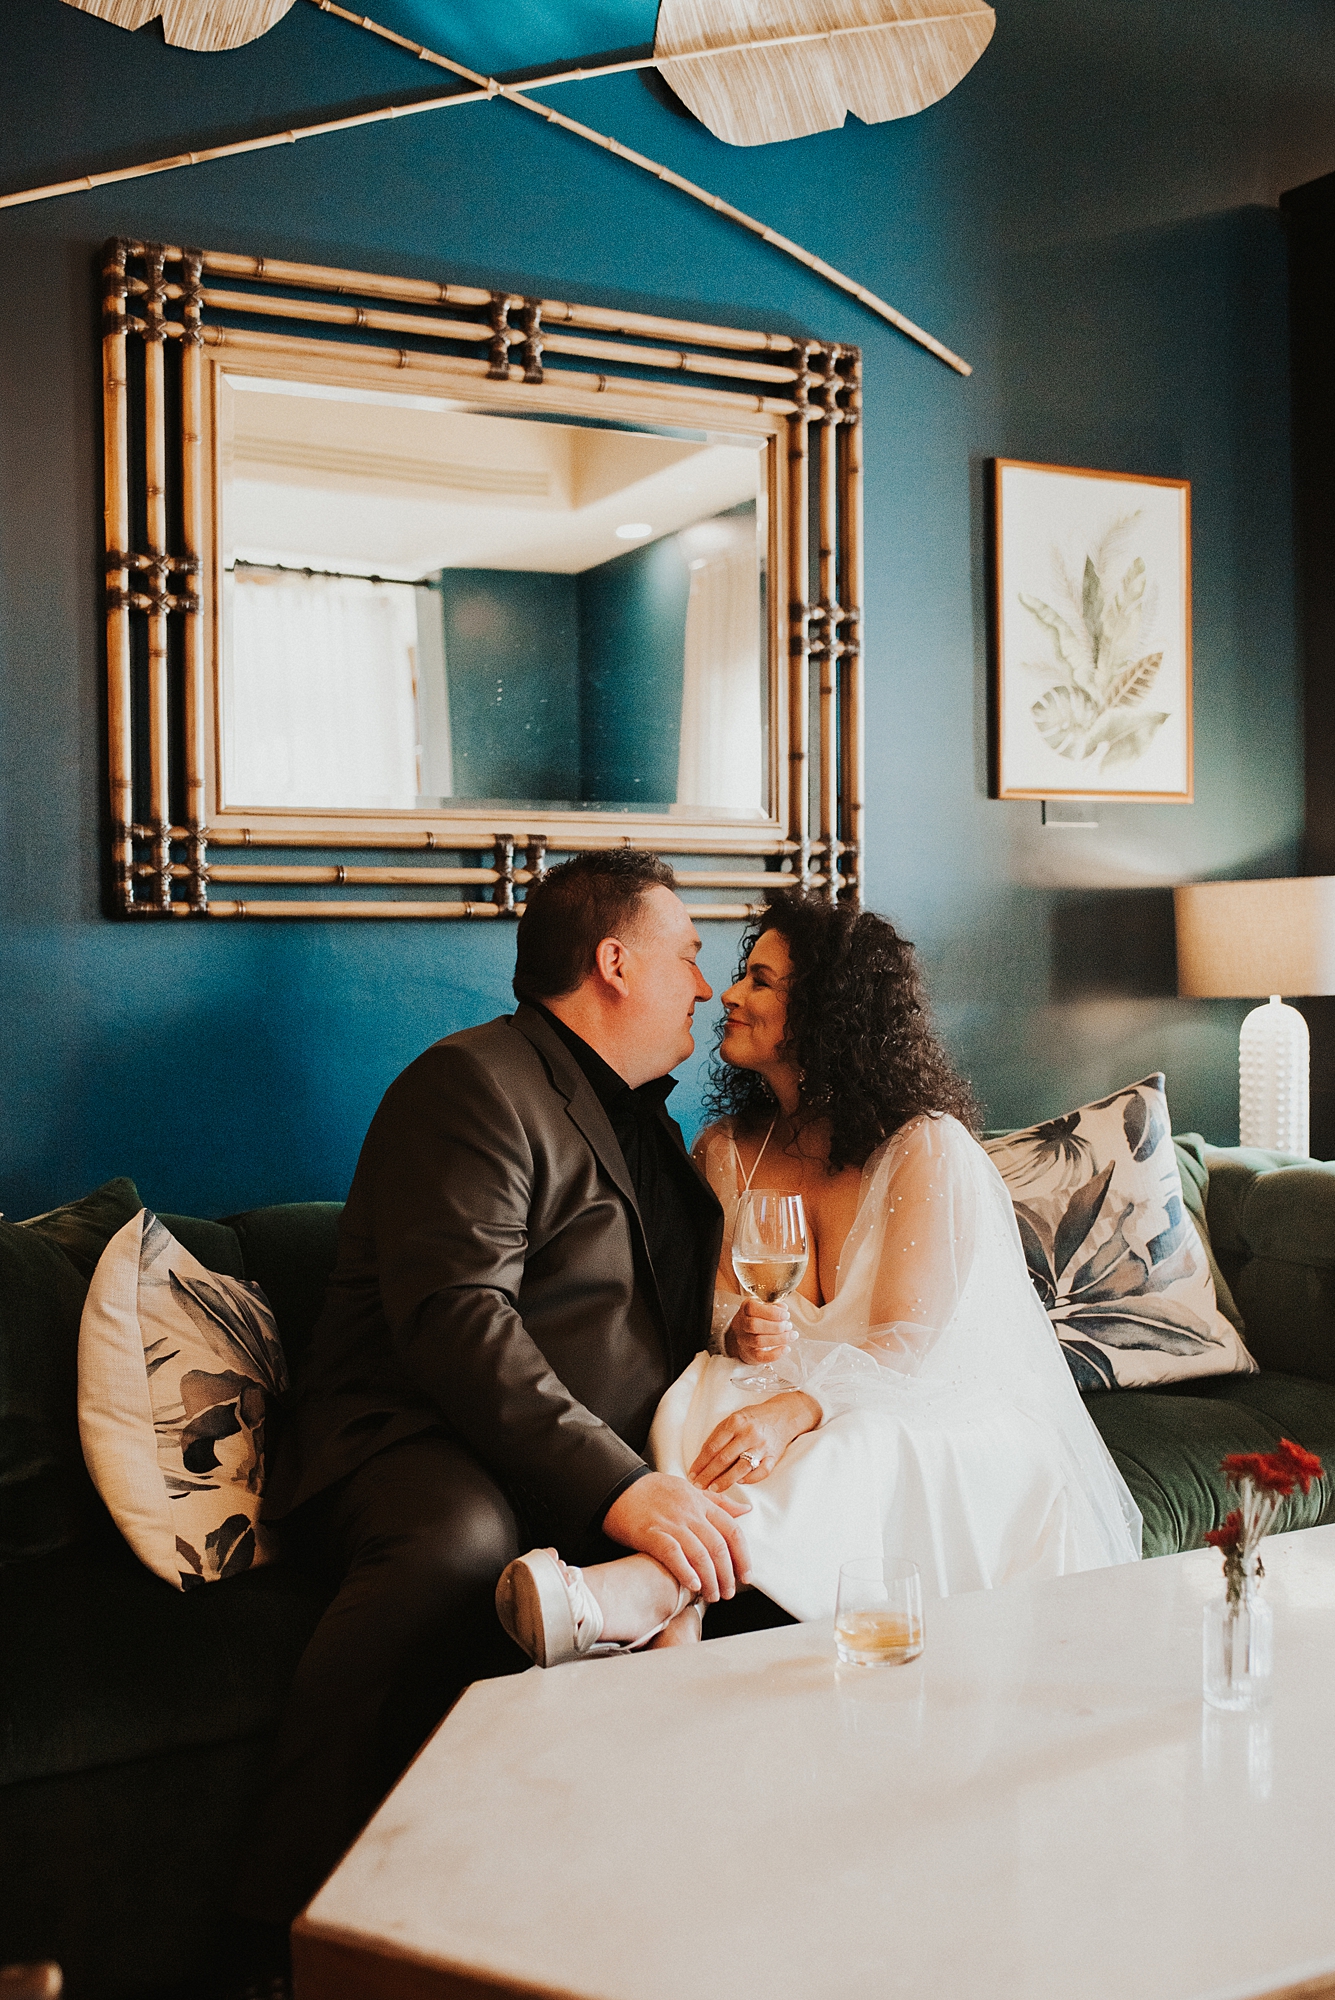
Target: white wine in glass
(769,1256)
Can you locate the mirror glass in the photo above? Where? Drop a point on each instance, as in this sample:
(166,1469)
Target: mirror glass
(424,602)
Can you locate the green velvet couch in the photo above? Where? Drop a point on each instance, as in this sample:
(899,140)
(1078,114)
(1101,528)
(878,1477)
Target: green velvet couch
(135,1721)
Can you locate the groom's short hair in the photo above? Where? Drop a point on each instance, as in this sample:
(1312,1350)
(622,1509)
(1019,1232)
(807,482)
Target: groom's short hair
(572,909)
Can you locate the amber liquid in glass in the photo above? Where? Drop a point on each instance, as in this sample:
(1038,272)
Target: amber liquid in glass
(877,1638)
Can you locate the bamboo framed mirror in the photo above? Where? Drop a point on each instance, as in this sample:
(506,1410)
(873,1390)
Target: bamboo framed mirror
(413,586)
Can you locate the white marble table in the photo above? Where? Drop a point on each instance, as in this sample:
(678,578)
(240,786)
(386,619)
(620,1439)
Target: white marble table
(1041,1806)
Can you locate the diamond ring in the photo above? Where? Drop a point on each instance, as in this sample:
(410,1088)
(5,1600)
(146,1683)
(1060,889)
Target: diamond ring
(752,1458)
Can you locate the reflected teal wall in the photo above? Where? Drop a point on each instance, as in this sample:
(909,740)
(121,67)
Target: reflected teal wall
(512,667)
(1089,218)
(568,687)
(632,642)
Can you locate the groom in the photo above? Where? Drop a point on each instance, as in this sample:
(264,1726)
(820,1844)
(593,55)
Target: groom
(526,1261)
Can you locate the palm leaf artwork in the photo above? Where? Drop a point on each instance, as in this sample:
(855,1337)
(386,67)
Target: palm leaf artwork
(755,71)
(1097,704)
(203,25)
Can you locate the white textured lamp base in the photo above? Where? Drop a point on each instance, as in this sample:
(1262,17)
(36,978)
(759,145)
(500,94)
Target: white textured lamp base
(1273,1087)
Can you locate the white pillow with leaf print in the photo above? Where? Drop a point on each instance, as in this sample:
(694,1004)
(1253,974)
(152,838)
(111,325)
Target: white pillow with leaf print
(1112,1251)
(176,1368)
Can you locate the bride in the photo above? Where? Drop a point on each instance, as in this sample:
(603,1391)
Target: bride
(931,1412)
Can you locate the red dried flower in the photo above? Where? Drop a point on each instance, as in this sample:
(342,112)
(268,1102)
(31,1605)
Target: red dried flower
(1227,1539)
(1305,1465)
(1273,1471)
(1269,1472)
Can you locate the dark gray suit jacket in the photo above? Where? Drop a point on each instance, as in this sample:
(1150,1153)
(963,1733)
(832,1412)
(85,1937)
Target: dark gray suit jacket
(492,1276)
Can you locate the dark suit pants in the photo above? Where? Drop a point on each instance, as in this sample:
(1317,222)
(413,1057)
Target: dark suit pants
(419,1535)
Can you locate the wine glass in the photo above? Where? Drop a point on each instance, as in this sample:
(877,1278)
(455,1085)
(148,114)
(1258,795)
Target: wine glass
(769,1255)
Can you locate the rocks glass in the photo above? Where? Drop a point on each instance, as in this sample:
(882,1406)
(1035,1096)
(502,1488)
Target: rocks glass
(878,1615)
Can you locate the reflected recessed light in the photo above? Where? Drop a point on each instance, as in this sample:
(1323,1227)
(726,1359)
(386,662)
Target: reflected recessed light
(633,531)
(701,562)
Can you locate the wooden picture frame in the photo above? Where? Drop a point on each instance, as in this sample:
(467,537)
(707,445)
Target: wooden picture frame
(175,319)
(1092,635)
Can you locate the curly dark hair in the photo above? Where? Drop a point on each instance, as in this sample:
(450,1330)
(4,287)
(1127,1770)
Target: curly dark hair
(858,1031)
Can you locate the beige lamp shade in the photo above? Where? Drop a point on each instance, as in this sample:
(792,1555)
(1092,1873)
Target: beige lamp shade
(1245,940)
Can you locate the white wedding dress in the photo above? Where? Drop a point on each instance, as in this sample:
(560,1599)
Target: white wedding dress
(952,1431)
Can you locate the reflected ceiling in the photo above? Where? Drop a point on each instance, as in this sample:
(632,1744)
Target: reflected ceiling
(403,485)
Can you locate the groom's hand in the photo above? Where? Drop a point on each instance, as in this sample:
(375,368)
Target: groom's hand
(693,1534)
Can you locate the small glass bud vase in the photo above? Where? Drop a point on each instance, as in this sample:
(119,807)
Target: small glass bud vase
(1238,1640)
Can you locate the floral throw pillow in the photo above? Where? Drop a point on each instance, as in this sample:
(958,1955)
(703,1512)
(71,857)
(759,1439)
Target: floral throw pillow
(1113,1253)
(176,1368)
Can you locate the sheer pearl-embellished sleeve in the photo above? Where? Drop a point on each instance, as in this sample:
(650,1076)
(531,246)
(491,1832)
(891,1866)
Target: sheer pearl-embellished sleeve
(904,1266)
(928,1208)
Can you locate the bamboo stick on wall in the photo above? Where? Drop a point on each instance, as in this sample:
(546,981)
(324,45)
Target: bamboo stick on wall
(512,95)
(83,183)
(486,88)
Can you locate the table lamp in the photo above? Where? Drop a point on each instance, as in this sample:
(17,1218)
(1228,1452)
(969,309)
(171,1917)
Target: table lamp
(1243,939)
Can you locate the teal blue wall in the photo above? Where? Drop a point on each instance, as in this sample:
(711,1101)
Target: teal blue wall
(1089,218)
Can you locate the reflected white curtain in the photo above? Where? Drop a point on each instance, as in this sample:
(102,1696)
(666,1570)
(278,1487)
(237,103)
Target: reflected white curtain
(321,706)
(721,760)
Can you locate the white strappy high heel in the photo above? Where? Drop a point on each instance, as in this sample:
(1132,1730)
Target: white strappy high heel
(550,1612)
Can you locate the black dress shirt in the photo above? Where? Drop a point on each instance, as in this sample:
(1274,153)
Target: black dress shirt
(666,1189)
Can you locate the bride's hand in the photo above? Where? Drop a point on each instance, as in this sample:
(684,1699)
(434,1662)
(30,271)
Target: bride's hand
(762,1430)
(758,1332)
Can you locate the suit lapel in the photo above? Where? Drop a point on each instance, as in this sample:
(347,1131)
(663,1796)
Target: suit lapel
(582,1106)
(586,1114)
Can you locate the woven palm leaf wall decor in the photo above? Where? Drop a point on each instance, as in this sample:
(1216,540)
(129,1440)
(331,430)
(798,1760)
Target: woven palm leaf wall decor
(753,71)
(758,70)
(203,25)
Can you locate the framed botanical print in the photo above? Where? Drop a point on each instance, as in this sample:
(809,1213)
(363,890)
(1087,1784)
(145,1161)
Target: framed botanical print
(1092,635)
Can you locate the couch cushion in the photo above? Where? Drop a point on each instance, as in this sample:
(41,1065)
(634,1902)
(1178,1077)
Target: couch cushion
(1120,1268)
(177,1369)
(1272,1218)
(82,1229)
(289,1251)
(103,1663)
(213,1243)
(1168,1443)
(1194,1174)
(47,1500)
(46,1497)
